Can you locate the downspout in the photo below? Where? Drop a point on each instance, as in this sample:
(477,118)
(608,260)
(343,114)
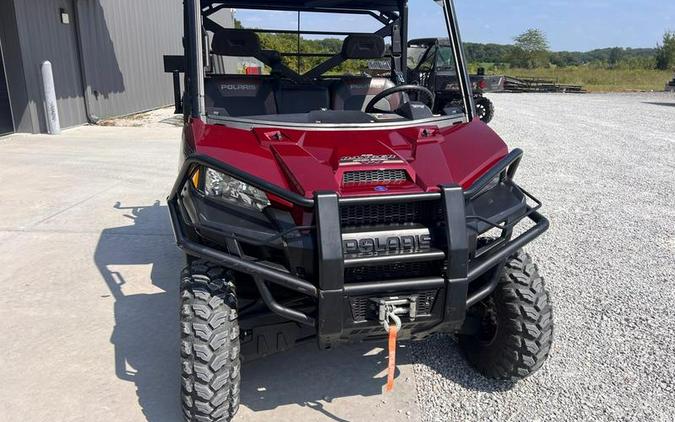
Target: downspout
(91,118)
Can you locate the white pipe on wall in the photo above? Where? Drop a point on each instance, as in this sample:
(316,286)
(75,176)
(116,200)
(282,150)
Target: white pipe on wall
(51,108)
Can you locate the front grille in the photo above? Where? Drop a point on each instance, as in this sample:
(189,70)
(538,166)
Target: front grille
(369,177)
(372,216)
(360,307)
(395,271)
(425,302)
(398,213)
(363,308)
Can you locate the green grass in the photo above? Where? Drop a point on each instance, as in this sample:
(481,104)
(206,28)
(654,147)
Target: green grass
(598,79)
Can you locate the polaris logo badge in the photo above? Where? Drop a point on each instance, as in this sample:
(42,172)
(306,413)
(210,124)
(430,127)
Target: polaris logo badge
(386,242)
(238,87)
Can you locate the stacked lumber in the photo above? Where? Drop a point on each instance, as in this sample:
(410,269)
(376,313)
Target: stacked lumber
(538,85)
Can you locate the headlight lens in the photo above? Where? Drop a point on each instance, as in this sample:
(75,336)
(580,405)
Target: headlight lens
(221,186)
(493,184)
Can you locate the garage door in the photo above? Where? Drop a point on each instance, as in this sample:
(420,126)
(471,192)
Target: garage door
(6,125)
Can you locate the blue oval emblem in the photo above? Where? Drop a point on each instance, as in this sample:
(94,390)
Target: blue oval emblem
(381,188)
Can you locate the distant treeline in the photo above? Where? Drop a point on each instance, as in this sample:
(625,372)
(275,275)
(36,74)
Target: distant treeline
(504,54)
(530,50)
(498,55)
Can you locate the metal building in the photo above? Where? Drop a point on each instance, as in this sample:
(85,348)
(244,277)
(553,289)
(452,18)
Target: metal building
(106,56)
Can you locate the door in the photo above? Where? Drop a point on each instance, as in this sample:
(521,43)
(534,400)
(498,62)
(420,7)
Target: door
(6,125)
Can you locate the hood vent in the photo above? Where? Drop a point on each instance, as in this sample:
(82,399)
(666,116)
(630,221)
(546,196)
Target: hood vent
(374,177)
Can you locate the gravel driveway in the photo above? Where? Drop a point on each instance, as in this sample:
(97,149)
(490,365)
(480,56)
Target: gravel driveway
(604,166)
(88,322)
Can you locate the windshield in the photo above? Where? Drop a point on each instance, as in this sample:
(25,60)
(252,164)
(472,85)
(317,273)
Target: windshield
(309,67)
(446,59)
(415,56)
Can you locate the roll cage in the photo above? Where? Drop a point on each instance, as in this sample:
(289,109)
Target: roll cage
(392,27)
(392,14)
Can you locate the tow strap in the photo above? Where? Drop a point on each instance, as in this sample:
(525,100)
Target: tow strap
(393,331)
(393,334)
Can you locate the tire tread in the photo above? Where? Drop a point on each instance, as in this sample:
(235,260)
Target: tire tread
(209,344)
(525,318)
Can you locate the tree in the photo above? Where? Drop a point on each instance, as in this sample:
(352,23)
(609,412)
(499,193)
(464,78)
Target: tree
(532,41)
(616,54)
(665,55)
(530,49)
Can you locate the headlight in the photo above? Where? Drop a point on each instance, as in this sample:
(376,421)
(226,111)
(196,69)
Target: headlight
(493,184)
(223,187)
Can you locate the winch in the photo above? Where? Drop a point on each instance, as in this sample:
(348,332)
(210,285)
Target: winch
(390,309)
(393,307)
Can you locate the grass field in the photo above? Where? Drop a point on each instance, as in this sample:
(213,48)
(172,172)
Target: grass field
(599,80)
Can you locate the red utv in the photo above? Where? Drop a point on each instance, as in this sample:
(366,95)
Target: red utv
(316,202)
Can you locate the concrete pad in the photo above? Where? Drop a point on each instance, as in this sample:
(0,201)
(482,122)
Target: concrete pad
(89,317)
(45,175)
(345,384)
(90,334)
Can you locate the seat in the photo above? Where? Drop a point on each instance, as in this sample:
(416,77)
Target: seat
(293,97)
(354,93)
(236,96)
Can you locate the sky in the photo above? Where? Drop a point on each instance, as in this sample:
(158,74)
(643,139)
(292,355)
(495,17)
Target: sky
(578,25)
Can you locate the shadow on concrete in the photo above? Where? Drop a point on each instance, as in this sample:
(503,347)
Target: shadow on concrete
(442,354)
(146,334)
(305,376)
(660,104)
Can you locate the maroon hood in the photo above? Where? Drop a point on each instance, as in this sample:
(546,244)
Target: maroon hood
(356,162)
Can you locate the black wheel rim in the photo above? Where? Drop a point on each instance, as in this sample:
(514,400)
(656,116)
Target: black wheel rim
(489,326)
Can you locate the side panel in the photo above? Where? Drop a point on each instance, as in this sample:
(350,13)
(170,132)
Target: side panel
(122,45)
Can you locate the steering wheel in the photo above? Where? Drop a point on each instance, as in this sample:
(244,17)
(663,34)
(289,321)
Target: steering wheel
(428,96)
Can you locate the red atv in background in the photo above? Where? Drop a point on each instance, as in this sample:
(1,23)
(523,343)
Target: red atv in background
(316,202)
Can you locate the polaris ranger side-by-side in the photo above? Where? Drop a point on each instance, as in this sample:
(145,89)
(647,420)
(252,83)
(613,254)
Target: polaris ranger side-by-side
(431,64)
(318,203)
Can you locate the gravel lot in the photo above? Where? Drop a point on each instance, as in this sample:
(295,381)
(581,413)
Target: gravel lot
(603,166)
(89,265)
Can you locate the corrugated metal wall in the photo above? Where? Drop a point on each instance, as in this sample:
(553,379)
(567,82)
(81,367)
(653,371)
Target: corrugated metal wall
(122,44)
(110,49)
(42,37)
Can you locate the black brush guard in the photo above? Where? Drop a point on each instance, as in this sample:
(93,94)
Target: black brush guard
(331,289)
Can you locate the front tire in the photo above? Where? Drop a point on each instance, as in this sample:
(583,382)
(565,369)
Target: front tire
(209,344)
(516,324)
(485,110)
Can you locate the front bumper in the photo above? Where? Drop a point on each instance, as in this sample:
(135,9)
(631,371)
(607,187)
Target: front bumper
(463,216)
